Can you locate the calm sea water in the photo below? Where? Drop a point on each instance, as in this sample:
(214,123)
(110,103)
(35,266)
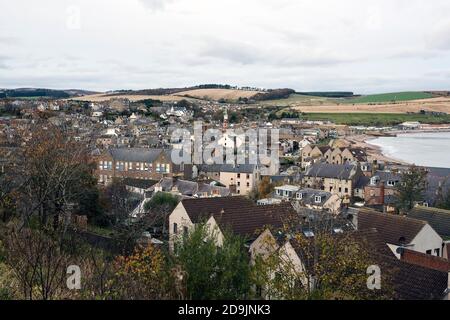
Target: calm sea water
(424,149)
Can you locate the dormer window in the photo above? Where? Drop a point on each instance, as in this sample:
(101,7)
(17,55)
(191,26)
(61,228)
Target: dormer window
(308,234)
(318,199)
(374,180)
(299,195)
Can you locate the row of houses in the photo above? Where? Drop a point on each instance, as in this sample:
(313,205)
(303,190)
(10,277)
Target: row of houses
(412,247)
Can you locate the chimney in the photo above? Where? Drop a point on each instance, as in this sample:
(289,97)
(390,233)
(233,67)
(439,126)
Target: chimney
(374,167)
(382,192)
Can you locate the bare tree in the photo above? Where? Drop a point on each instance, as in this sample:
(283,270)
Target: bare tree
(38,262)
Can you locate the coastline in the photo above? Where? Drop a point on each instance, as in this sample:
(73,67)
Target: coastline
(374,152)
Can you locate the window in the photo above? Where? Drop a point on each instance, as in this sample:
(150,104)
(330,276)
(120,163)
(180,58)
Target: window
(346,190)
(429,252)
(239,183)
(239,175)
(101,165)
(185,231)
(248,176)
(391,183)
(299,195)
(175,228)
(248,184)
(437,252)
(318,199)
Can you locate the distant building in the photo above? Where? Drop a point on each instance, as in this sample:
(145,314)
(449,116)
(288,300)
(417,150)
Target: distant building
(335,178)
(240,179)
(136,163)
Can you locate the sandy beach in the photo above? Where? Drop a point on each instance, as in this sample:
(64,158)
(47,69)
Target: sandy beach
(373,152)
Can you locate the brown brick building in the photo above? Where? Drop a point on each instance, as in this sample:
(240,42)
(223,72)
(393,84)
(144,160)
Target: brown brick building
(135,163)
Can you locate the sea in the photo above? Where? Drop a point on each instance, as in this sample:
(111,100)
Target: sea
(430,149)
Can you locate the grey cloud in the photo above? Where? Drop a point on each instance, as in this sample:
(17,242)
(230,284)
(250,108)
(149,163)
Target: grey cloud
(439,38)
(232,51)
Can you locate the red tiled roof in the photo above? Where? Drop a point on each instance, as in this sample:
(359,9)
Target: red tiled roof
(425,260)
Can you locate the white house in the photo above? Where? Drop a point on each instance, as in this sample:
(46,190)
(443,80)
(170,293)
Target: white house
(399,231)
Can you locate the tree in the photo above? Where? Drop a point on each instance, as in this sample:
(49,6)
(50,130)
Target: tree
(7,197)
(411,189)
(53,173)
(333,267)
(38,262)
(214,272)
(158,209)
(142,275)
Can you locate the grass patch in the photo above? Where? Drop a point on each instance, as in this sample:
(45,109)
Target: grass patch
(391,97)
(375,119)
(101,231)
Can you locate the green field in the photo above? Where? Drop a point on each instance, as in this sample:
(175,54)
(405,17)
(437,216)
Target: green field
(377,119)
(390,97)
(296,99)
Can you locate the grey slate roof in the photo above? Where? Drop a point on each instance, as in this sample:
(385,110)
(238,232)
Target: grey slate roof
(335,171)
(241,168)
(308,196)
(438,219)
(391,228)
(135,154)
(362,182)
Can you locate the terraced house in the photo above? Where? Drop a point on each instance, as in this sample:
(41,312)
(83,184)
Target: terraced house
(333,155)
(135,163)
(338,179)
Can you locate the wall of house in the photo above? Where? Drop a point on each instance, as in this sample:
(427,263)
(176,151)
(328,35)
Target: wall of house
(263,246)
(374,195)
(134,170)
(427,239)
(340,187)
(214,231)
(244,184)
(181,218)
(333,204)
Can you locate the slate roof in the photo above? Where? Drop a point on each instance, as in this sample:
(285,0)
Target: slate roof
(362,182)
(335,171)
(241,168)
(438,219)
(308,196)
(139,183)
(409,281)
(135,154)
(392,229)
(188,188)
(359,154)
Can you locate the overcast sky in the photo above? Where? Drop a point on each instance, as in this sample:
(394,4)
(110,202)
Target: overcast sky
(364,46)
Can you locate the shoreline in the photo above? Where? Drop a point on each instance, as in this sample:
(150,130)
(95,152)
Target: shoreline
(375,152)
